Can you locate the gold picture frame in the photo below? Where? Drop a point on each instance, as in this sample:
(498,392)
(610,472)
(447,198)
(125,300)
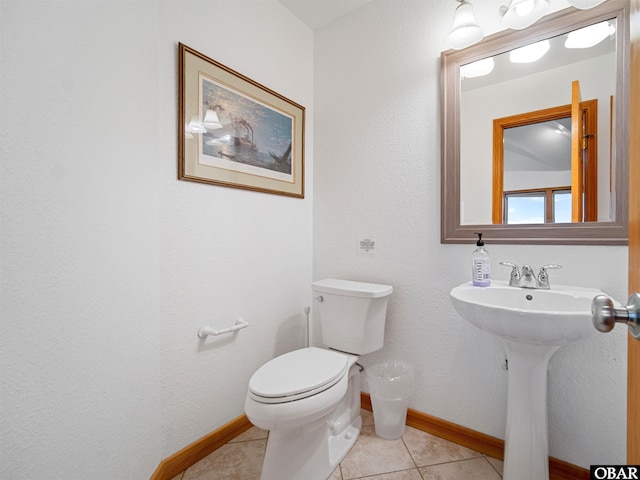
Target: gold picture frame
(235,132)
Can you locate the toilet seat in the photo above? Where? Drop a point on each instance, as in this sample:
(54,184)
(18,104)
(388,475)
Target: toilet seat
(297,375)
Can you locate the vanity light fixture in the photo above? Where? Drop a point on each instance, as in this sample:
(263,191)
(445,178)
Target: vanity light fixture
(590,36)
(465,30)
(585,4)
(218,140)
(195,126)
(522,13)
(477,69)
(529,53)
(211,121)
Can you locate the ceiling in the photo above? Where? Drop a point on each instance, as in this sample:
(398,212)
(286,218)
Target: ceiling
(318,13)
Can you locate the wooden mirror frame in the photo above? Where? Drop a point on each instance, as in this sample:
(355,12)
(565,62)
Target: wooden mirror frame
(588,233)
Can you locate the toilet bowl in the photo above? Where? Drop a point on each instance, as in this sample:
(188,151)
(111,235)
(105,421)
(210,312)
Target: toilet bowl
(312,422)
(309,399)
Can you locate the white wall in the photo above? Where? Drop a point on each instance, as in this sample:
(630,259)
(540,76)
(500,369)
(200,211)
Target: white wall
(377,169)
(225,252)
(526,179)
(109,263)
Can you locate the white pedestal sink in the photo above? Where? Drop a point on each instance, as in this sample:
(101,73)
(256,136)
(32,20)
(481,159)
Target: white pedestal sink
(533,325)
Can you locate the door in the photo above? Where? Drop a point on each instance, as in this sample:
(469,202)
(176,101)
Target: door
(584,157)
(633,383)
(577,154)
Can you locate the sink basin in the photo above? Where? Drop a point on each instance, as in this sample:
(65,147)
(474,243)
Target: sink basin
(533,325)
(558,316)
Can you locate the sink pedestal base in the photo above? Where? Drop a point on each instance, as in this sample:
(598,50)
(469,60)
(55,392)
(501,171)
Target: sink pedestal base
(526,438)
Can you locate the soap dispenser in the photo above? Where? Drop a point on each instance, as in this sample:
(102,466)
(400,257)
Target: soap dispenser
(480,264)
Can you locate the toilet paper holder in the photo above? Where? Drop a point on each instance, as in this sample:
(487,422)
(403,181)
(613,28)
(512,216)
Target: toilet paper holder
(205,331)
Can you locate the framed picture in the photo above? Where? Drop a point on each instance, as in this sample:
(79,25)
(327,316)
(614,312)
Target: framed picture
(235,132)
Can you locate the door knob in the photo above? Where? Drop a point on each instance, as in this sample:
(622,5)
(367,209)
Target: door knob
(605,315)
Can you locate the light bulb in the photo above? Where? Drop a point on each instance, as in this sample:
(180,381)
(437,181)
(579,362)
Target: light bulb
(524,8)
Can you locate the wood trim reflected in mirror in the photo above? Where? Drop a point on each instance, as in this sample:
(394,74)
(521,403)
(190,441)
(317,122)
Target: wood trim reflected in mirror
(594,233)
(588,110)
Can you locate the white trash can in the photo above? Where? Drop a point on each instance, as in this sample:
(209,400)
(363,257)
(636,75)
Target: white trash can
(390,385)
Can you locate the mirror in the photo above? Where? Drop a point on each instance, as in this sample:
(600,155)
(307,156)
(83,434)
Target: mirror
(468,183)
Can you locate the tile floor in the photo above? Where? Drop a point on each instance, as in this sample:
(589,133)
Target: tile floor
(417,456)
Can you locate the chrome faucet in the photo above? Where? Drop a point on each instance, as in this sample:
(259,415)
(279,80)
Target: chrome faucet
(526,279)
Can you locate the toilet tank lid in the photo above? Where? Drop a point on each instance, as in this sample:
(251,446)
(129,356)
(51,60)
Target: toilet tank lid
(351,288)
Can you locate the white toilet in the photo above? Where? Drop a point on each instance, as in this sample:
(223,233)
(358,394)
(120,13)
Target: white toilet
(309,399)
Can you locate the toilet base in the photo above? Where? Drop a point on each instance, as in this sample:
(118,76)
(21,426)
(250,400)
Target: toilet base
(307,454)
(313,451)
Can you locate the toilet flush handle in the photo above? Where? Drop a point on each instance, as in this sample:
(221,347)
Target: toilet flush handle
(319,299)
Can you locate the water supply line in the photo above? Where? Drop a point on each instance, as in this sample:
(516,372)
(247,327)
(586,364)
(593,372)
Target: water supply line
(307,310)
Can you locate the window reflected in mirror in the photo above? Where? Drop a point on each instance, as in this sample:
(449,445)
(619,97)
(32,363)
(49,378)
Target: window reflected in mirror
(549,205)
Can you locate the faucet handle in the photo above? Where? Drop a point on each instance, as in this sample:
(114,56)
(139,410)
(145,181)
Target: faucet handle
(543,276)
(515,271)
(543,270)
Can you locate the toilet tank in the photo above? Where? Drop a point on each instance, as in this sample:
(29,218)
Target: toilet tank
(352,314)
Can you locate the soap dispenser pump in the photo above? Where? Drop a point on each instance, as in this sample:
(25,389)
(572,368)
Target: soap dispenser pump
(480,264)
